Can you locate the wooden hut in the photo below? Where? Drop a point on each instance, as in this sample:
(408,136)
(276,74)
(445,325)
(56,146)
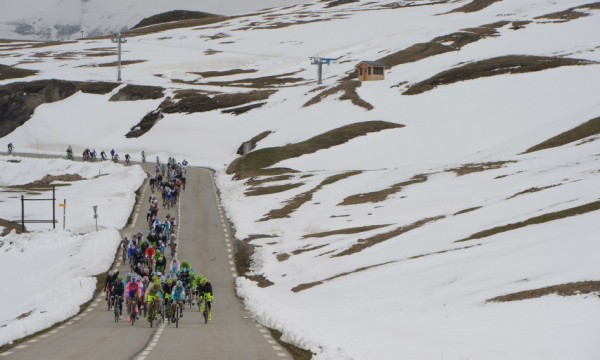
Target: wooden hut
(370,70)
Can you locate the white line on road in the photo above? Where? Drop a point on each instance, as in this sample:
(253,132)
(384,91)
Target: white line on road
(6,353)
(21,347)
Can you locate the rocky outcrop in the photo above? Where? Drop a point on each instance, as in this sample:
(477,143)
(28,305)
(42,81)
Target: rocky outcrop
(19,100)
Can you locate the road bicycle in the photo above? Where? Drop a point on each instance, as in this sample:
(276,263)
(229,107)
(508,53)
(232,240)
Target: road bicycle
(153,311)
(204,307)
(118,308)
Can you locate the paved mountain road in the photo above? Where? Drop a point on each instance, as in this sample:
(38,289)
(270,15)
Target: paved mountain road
(204,242)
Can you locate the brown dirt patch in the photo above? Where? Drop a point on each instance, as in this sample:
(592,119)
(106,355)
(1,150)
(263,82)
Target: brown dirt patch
(557,215)
(348,90)
(348,231)
(300,199)
(267,190)
(48,179)
(381,195)
(257,181)
(301,287)
(571,13)
(209,74)
(147,123)
(259,82)
(114,63)
(303,250)
(261,280)
(590,128)
(152,29)
(472,168)
(256,161)
(569,289)
(191,102)
(510,64)
(532,190)
(138,92)
(9,72)
(362,244)
(466,210)
(282,257)
(474,6)
(10,226)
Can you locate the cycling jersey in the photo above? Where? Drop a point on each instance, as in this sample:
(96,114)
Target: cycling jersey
(178,293)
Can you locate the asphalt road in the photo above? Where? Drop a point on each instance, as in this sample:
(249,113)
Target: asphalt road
(205,243)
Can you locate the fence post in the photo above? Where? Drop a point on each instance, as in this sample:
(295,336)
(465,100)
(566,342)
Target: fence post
(22,213)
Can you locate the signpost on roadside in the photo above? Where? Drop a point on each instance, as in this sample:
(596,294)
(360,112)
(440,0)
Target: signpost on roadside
(64,206)
(95,207)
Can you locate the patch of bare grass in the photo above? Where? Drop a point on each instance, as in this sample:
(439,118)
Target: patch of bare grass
(532,190)
(192,102)
(306,286)
(300,199)
(114,63)
(282,257)
(472,168)
(158,28)
(303,250)
(510,64)
(255,161)
(296,352)
(466,210)
(267,190)
(138,92)
(259,181)
(362,244)
(557,215)
(571,13)
(569,289)
(381,195)
(9,226)
(259,82)
(473,6)
(346,231)
(209,74)
(260,280)
(9,72)
(590,128)
(348,90)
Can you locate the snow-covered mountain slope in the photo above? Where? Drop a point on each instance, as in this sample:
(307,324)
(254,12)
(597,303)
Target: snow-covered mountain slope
(446,211)
(72,19)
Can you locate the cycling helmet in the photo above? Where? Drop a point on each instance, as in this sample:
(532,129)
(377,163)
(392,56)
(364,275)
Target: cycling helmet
(119,278)
(169,281)
(156,281)
(203,281)
(179,283)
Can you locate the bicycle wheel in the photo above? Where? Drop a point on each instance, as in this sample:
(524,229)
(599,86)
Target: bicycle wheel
(177,311)
(205,314)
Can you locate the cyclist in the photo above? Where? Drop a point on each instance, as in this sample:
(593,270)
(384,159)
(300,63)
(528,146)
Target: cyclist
(152,297)
(204,290)
(102,155)
(69,153)
(175,266)
(178,296)
(110,281)
(10,148)
(117,292)
(112,153)
(161,261)
(133,292)
(127,158)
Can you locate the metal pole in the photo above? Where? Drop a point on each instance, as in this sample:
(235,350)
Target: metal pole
(54,207)
(320,65)
(64,213)
(119,61)
(22,213)
(119,40)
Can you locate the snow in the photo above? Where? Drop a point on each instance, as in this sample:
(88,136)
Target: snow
(419,294)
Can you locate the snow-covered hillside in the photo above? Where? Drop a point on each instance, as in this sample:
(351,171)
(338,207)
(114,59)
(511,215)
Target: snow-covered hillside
(450,211)
(72,19)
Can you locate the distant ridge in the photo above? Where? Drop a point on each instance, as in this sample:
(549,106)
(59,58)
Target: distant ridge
(174,15)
